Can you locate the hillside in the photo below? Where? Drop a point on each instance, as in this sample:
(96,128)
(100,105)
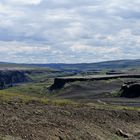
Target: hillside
(37,121)
(118,64)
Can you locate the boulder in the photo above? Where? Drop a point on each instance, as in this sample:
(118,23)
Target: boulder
(123,134)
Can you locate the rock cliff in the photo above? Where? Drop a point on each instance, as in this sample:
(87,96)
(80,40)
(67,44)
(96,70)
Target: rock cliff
(130,90)
(9,78)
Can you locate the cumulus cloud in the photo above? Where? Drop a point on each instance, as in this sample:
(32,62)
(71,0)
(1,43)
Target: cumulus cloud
(68,30)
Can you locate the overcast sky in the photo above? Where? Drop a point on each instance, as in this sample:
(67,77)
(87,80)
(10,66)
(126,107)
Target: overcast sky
(69,31)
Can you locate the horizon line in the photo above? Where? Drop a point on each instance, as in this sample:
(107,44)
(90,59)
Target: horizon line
(6,62)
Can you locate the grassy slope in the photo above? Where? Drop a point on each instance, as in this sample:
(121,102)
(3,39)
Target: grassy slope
(37,92)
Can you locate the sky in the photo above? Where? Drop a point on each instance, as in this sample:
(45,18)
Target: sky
(69,31)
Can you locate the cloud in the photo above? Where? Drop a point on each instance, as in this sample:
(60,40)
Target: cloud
(23,2)
(68,30)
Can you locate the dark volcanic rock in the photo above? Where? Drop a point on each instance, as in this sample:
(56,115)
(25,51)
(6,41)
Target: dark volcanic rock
(61,81)
(130,90)
(9,78)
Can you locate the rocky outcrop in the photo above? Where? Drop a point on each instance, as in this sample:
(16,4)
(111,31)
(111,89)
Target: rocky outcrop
(61,81)
(9,78)
(114,72)
(130,90)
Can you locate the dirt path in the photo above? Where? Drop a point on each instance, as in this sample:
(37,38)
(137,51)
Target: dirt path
(36,121)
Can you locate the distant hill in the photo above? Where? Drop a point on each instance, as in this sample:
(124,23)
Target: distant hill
(118,64)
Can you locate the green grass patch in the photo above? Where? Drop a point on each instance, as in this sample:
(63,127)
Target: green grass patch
(6,96)
(21,95)
(34,89)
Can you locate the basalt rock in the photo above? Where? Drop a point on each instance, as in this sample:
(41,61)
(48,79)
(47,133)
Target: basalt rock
(130,90)
(9,78)
(61,81)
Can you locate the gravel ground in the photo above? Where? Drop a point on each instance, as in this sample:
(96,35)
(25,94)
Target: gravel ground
(35,121)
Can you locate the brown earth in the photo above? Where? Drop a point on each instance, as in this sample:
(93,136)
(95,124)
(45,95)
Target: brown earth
(36,121)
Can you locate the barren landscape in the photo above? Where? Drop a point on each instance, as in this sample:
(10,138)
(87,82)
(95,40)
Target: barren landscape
(69,69)
(52,104)
(35,121)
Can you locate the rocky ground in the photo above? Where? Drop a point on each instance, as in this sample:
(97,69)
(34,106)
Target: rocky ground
(36,121)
